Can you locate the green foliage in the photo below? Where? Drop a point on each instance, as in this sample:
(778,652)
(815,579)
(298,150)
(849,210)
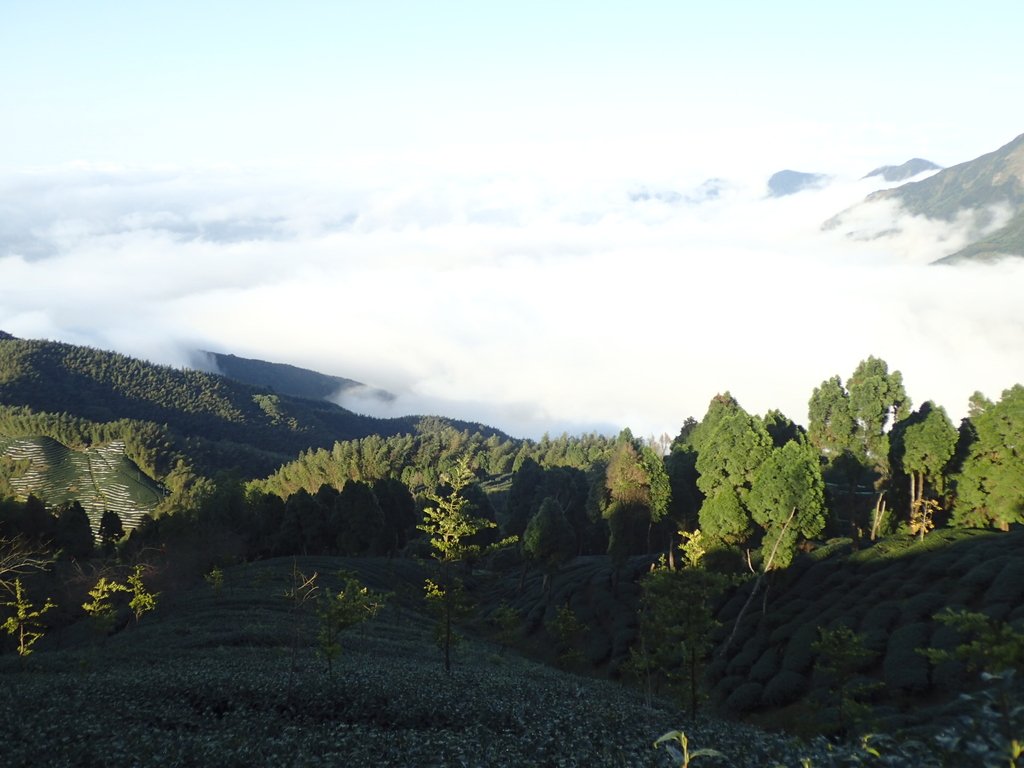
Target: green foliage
(352,604)
(506,620)
(989,646)
(110,531)
(566,629)
(990,488)
(744,698)
(142,601)
(693,547)
(831,426)
(904,668)
(683,753)
(100,609)
(787,500)
(25,622)
(731,446)
(675,629)
(448,525)
(923,444)
(215,578)
(841,653)
(549,538)
(785,688)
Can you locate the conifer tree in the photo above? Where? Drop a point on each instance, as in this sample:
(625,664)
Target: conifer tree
(25,622)
(448,524)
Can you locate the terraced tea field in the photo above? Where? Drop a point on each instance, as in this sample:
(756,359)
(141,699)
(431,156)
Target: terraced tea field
(100,478)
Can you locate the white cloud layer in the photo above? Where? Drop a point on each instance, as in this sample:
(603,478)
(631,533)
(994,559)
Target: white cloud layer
(519,300)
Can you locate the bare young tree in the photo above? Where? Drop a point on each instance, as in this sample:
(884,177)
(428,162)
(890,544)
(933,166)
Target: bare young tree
(18,558)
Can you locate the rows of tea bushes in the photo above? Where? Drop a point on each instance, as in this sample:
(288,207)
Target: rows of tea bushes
(889,594)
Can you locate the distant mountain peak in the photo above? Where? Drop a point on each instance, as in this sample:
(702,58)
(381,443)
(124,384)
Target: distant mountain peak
(985,194)
(909,169)
(4,336)
(788,182)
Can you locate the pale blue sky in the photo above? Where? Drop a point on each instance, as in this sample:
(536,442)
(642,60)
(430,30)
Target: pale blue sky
(441,198)
(251,83)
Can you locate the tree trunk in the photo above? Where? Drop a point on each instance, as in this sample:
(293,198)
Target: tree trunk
(693,680)
(447,619)
(876,521)
(757,583)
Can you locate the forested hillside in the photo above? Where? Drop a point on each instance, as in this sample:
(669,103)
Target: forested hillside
(818,579)
(68,392)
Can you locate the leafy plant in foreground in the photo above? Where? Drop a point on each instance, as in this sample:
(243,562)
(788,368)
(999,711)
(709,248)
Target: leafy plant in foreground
(25,622)
(449,525)
(350,605)
(143,601)
(993,734)
(682,753)
(841,653)
(101,608)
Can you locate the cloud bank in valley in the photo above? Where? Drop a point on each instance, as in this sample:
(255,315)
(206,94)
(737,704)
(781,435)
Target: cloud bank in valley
(530,303)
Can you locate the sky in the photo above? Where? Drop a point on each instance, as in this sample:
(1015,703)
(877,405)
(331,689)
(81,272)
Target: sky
(543,216)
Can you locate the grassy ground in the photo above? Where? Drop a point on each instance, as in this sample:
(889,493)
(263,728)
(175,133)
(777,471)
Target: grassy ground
(214,677)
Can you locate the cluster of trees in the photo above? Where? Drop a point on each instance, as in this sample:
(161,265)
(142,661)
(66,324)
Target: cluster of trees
(915,467)
(866,465)
(27,561)
(64,531)
(419,457)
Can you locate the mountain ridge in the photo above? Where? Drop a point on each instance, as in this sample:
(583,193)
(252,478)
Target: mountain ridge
(986,193)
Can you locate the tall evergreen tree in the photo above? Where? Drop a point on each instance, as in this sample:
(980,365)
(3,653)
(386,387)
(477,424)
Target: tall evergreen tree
(990,488)
(73,534)
(787,500)
(449,525)
(731,446)
(923,445)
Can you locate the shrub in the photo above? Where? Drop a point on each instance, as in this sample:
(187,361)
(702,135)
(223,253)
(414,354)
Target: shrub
(798,655)
(997,611)
(790,610)
(745,698)
(921,606)
(985,572)
(783,632)
(785,688)
(904,668)
(721,692)
(947,674)
(1008,585)
(766,667)
(741,663)
(881,617)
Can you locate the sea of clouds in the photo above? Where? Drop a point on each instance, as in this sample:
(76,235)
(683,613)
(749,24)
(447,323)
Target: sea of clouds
(535,304)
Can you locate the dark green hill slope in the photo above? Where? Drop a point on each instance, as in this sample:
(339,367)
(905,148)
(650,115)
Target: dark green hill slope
(889,593)
(209,679)
(222,424)
(280,378)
